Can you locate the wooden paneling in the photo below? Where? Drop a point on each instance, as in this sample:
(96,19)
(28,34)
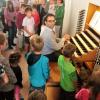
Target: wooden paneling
(91,10)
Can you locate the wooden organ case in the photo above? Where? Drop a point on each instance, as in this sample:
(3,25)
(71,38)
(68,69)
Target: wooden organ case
(87,41)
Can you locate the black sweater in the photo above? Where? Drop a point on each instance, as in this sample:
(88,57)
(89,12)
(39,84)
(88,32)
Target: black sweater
(18,74)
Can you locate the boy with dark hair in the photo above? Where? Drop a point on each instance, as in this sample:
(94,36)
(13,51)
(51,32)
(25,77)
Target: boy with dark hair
(14,60)
(28,27)
(6,87)
(38,65)
(68,78)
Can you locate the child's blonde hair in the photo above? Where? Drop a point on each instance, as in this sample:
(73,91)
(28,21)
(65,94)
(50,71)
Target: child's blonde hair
(37,95)
(36,42)
(2,38)
(68,49)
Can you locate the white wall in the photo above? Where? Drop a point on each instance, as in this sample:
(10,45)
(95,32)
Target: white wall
(74,17)
(66,21)
(76,6)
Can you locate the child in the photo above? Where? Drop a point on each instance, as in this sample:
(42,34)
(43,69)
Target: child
(36,16)
(7,83)
(10,19)
(28,26)
(38,65)
(19,19)
(20,16)
(37,95)
(51,6)
(68,78)
(59,15)
(5,27)
(91,89)
(95,93)
(14,59)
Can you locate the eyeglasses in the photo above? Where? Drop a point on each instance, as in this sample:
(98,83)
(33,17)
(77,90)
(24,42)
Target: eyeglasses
(51,21)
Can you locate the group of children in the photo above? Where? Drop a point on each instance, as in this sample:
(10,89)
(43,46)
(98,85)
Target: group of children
(11,74)
(17,20)
(25,19)
(8,78)
(38,64)
(38,69)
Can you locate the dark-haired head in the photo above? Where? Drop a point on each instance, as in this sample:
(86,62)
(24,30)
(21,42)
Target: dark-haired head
(23,6)
(60,1)
(14,58)
(49,20)
(28,12)
(10,6)
(48,15)
(94,79)
(95,93)
(34,6)
(28,9)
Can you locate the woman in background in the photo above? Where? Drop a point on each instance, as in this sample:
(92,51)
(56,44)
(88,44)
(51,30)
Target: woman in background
(59,15)
(10,19)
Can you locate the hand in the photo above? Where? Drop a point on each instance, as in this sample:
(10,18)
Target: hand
(31,34)
(5,78)
(67,36)
(19,32)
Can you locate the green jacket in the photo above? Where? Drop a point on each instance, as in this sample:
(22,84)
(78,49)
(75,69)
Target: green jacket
(59,14)
(68,74)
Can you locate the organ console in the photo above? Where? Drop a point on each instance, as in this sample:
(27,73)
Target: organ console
(87,43)
(97,63)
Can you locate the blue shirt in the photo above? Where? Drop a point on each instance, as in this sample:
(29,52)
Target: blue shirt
(39,72)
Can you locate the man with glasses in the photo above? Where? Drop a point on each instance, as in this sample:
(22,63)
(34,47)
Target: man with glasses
(51,45)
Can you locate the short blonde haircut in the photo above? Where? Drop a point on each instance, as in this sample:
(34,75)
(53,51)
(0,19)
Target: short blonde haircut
(36,42)
(2,38)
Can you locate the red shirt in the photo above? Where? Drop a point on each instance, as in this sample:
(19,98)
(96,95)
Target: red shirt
(36,18)
(19,20)
(83,94)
